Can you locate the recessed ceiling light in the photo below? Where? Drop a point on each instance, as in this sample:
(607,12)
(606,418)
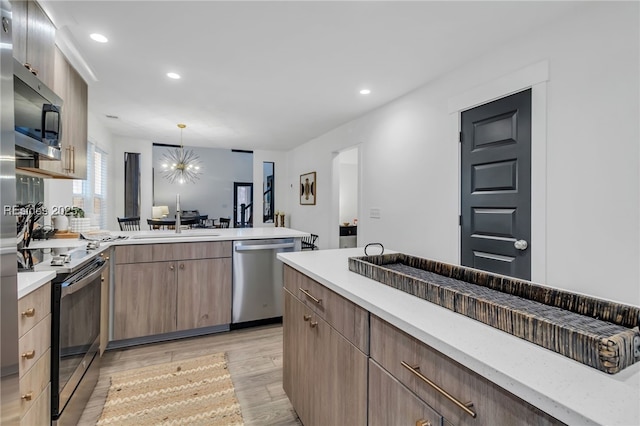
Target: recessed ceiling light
(173,75)
(99,38)
(365,91)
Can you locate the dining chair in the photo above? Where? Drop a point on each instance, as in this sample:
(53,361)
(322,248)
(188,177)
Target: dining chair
(309,243)
(129,223)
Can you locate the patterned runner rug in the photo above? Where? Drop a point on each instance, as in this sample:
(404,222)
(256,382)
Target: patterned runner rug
(196,391)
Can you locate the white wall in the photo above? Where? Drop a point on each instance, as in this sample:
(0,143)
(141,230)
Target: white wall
(281,187)
(410,161)
(59,192)
(144,147)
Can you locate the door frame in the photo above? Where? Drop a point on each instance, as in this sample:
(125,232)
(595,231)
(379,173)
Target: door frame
(235,200)
(334,216)
(534,76)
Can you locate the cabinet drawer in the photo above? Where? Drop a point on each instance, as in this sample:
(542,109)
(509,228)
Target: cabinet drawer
(33,307)
(177,251)
(40,412)
(492,405)
(34,344)
(34,382)
(391,403)
(134,253)
(203,250)
(346,317)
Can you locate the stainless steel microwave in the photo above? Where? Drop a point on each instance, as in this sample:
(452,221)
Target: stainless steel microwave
(38,117)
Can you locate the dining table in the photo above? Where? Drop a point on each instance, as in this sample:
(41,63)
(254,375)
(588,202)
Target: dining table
(167,222)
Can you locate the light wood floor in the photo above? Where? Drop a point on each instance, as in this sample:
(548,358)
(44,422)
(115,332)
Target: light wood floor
(255,364)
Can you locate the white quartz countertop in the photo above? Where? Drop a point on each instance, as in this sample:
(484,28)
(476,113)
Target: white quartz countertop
(31,281)
(214,234)
(568,390)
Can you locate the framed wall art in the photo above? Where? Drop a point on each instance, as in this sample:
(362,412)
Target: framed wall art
(308,189)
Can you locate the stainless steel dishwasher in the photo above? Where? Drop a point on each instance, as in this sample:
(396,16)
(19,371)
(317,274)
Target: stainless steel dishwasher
(257,278)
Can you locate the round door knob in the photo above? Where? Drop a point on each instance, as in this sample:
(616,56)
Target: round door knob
(521,244)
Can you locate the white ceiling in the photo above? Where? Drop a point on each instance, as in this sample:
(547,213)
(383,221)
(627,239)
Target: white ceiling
(271,74)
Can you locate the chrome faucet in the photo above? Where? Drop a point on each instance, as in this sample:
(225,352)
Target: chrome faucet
(178,226)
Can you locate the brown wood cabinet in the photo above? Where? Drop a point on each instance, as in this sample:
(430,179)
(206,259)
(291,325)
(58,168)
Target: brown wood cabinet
(390,402)
(144,299)
(199,303)
(34,39)
(164,288)
(34,346)
(324,369)
(73,90)
(324,372)
(492,405)
(70,86)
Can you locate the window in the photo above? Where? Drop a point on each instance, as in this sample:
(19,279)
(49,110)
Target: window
(91,194)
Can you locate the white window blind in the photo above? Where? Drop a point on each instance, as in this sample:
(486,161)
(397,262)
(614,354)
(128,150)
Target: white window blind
(91,194)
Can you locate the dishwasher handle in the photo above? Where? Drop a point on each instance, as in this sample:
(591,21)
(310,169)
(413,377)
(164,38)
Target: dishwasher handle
(264,247)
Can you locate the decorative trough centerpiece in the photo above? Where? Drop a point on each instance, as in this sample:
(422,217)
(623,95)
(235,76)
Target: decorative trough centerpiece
(595,332)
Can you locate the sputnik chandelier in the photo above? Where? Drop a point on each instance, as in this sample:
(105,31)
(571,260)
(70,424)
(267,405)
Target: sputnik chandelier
(180,165)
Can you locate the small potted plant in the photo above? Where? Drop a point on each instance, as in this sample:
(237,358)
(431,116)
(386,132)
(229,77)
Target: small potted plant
(77,221)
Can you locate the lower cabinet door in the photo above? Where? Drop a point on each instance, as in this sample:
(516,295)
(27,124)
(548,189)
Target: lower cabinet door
(204,293)
(391,403)
(40,412)
(324,375)
(144,300)
(298,368)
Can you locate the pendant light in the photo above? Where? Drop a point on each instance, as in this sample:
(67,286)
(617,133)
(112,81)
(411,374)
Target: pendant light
(179,165)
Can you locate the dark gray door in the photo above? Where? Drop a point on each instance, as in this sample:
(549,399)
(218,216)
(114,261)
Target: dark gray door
(496,186)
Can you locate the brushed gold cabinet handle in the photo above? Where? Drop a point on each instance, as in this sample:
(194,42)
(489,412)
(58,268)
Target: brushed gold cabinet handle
(313,324)
(29,355)
(423,422)
(27,396)
(306,293)
(29,312)
(101,279)
(172,267)
(73,159)
(462,406)
(306,317)
(182,266)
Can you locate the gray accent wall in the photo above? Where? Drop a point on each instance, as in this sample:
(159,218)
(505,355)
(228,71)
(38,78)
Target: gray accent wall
(212,194)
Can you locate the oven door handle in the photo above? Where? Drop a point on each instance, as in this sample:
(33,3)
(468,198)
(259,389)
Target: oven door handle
(71,288)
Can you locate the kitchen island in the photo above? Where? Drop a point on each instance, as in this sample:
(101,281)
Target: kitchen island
(161,285)
(566,390)
(167,285)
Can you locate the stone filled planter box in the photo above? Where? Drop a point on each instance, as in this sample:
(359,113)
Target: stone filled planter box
(595,332)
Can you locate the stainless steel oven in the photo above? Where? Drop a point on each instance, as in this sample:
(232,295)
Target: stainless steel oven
(75,339)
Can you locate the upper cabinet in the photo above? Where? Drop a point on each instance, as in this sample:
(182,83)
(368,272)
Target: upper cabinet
(34,39)
(70,86)
(34,44)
